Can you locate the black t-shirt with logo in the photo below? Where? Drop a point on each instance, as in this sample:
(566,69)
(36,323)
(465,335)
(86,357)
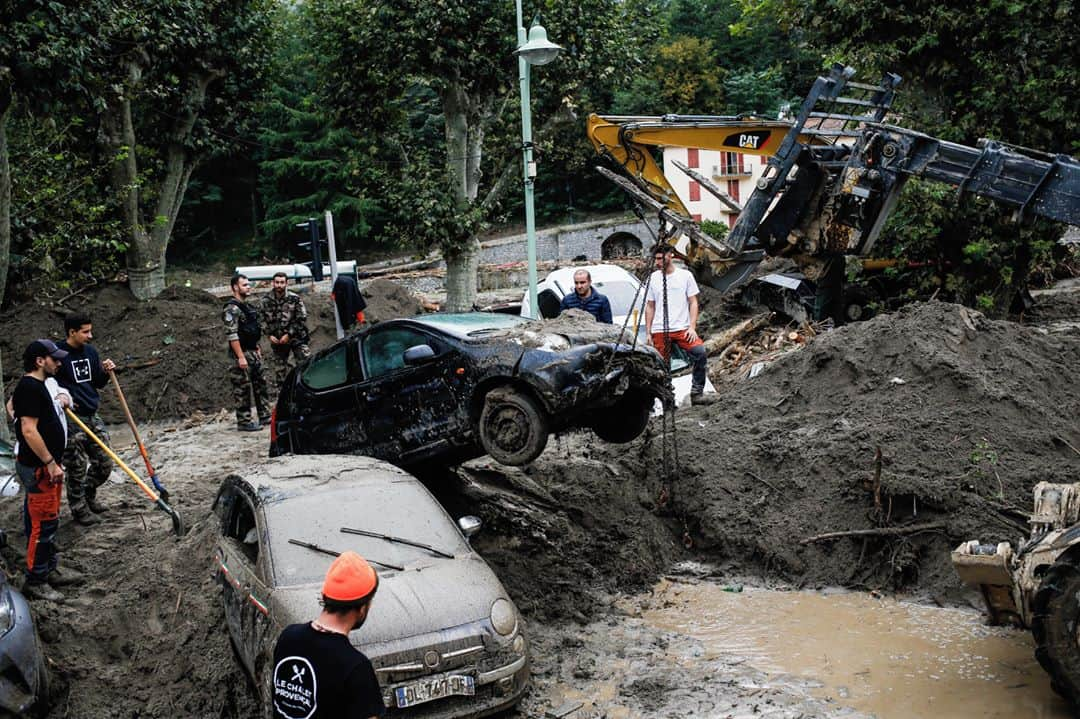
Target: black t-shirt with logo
(319,675)
(32,399)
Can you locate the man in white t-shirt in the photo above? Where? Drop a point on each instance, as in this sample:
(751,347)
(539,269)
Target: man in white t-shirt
(679,326)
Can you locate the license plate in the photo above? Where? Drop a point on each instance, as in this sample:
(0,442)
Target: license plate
(430,689)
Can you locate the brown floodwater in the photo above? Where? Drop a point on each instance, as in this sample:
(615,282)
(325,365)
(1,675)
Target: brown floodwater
(882,656)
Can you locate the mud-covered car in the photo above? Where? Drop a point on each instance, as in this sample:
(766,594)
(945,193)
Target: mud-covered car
(443,635)
(450,387)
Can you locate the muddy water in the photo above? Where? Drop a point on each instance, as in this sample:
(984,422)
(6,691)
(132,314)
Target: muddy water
(880,656)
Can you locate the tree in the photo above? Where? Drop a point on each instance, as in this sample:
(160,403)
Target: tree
(374,51)
(178,74)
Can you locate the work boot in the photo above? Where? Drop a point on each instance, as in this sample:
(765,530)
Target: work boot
(41,590)
(65,577)
(699,399)
(249,427)
(95,506)
(82,515)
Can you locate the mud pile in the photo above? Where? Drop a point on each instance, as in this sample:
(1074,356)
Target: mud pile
(968,413)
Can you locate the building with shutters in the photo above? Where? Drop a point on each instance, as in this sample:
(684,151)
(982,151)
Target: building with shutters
(733,172)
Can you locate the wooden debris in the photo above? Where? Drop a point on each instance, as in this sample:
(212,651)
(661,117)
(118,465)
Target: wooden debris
(878,532)
(719,343)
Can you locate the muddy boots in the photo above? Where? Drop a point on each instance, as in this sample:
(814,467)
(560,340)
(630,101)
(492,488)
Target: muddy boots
(698,399)
(84,516)
(41,590)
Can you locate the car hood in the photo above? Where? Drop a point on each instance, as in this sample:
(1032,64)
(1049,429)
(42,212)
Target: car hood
(424,598)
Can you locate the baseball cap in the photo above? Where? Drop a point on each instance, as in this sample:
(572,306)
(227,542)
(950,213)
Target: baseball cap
(43,348)
(350,579)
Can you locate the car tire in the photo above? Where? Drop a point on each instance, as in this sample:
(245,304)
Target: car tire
(625,420)
(513,427)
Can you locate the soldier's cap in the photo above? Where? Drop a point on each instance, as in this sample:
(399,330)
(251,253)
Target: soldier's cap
(43,348)
(350,579)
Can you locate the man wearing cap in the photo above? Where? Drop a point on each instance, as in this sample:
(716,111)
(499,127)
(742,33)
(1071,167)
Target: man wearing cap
(318,674)
(41,442)
(83,373)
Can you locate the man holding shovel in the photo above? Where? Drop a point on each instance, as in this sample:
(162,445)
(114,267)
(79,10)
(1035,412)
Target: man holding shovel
(82,374)
(41,441)
(248,374)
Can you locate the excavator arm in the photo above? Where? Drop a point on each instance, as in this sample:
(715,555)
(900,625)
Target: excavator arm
(833,175)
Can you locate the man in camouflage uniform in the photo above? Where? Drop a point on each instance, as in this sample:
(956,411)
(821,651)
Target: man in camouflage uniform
(247,374)
(283,319)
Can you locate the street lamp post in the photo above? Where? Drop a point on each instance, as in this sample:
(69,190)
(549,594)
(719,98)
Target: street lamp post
(535,49)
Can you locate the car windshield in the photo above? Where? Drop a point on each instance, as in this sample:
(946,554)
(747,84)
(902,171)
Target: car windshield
(471,324)
(620,294)
(403,509)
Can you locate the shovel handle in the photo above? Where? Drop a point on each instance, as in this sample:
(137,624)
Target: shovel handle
(131,423)
(112,455)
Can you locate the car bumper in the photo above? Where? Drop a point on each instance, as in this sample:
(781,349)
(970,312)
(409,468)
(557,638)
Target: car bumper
(496,690)
(594,375)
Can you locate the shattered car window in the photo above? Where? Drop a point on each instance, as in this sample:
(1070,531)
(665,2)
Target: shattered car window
(327,371)
(395,508)
(470,323)
(384,350)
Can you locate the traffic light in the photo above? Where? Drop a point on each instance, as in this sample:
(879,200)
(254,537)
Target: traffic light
(314,243)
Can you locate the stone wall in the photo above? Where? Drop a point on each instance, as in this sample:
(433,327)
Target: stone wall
(595,241)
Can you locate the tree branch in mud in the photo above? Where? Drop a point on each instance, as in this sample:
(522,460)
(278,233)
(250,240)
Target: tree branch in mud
(721,341)
(879,532)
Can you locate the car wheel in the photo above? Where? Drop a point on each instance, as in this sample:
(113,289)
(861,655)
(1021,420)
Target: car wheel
(857,305)
(513,427)
(625,420)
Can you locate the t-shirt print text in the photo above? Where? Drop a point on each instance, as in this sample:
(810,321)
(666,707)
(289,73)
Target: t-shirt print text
(80,369)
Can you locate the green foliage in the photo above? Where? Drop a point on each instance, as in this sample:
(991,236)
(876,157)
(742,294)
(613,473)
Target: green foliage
(714,229)
(61,221)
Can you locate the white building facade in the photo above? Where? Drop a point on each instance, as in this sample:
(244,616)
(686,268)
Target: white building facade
(733,172)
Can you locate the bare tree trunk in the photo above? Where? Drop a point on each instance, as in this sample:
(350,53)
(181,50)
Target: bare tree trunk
(463,161)
(146,254)
(5,192)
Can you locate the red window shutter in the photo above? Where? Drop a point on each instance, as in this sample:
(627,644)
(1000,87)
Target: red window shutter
(692,157)
(731,218)
(695,191)
(741,166)
(733,189)
(696,218)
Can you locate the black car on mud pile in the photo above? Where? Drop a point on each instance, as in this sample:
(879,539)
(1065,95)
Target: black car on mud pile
(450,387)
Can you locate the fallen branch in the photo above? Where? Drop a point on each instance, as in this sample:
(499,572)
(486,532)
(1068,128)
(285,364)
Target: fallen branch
(879,532)
(720,342)
(1066,443)
(139,365)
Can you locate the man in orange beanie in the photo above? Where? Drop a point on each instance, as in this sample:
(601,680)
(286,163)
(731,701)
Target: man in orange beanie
(318,674)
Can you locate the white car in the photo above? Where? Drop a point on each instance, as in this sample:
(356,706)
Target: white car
(612,281)
(627,298)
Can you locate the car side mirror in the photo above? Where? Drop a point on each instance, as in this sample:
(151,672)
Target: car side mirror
(470,525)
(418,354)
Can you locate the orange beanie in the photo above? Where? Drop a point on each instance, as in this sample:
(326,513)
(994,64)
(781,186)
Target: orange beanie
(350,579)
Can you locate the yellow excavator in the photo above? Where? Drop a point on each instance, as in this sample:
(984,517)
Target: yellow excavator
(833,175)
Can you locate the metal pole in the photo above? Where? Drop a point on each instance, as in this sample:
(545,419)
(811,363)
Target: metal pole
(332,248)
(529,165)
(316,251)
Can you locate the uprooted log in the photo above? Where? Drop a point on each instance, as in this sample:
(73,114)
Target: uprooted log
(877,532)
(720,342)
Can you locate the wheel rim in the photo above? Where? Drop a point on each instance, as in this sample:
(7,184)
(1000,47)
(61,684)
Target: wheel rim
(508,427)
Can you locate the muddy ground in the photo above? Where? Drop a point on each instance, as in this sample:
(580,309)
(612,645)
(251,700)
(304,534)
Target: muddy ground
(968,414)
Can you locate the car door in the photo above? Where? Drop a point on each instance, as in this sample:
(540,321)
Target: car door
(410,407)
(328,417)
(244,594)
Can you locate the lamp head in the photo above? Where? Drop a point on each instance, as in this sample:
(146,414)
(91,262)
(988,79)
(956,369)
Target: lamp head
(538,50)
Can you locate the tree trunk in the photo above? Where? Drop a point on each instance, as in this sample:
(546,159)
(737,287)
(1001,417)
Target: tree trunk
(5,190)
(463,155)
(146,253)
